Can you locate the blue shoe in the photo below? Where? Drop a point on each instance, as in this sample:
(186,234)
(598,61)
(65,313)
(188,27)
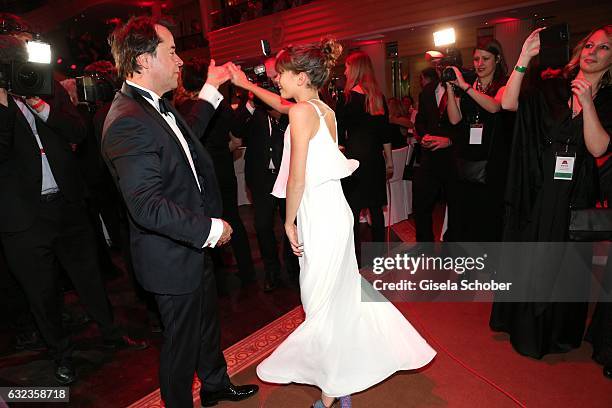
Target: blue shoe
(345,402)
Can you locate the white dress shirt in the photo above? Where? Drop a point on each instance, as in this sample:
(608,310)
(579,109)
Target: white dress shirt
(251,109)
(49,185)
(210,94)
(440,90)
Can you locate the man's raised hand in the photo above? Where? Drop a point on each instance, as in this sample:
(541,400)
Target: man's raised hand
(217,75)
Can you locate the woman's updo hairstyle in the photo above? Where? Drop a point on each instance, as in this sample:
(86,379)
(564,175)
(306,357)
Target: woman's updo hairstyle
(316,60)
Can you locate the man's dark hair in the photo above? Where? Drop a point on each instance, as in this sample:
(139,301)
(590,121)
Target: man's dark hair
(134,38)
(11,24)
(194,74)
(431,74)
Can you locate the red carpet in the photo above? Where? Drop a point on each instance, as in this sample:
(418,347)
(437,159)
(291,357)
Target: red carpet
(475,367)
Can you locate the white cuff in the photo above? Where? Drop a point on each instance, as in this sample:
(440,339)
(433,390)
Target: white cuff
(250,107)
(44,114)
(210,94)
(216,230)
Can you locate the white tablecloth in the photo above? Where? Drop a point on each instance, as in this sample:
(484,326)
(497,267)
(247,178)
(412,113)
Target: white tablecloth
(243,196)
(399,191)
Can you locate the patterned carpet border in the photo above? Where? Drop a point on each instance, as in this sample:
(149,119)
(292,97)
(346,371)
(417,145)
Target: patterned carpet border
(244,353)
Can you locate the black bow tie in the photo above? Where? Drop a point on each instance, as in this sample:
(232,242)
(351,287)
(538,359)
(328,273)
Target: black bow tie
(164,107)
(162,103)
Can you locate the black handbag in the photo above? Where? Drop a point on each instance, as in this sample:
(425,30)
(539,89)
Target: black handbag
(472,171)
(591,224)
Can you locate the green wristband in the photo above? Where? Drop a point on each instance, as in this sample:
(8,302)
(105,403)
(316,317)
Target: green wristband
(520,68)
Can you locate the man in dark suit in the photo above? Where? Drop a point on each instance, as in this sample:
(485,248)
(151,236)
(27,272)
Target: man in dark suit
(43,218)
(436,173)
(168,182)
(264,138)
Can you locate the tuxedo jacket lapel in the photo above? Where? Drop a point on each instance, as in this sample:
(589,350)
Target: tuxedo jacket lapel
(157,117)
(203,156)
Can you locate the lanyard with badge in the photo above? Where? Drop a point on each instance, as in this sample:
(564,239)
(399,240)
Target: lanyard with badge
(564,161)
(476,129)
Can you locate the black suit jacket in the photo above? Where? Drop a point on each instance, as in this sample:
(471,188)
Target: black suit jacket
(261,146)
(429,121)
(20,162)
(170,219)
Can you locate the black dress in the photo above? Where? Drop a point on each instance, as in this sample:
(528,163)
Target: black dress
(538,209)
(363,136)
(480,207)
(599,333)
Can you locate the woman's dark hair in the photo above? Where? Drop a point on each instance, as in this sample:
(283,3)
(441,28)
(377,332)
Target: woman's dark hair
(495,48)
(314,60)
(134,38)
(194,74)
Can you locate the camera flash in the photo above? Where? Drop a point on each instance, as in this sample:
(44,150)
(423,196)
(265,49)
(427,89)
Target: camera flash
(39,52)
(444,37)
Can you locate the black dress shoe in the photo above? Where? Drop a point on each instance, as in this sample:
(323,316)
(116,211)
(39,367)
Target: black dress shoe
(231,393)
(29,340)
(607,371)
(125,342)
(65,374)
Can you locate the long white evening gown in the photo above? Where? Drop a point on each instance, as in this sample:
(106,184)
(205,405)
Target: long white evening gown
(346,344)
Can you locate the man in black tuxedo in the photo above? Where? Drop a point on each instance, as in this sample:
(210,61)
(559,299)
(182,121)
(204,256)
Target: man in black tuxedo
(168,182)
(43,217)
(264,138)
(436,172)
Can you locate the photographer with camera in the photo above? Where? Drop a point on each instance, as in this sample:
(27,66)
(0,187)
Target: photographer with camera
(482,144)
(43,220)
(436,171)
(264,137)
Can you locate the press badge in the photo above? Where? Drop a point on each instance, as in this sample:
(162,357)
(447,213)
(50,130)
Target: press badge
(476,133)
(564,166)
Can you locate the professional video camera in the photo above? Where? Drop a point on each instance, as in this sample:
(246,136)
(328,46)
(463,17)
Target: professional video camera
(258,75)
(451,57)
(95,88)
(24,72)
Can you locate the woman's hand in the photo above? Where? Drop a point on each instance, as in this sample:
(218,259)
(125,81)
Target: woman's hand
(389,170)
(292,235)
(583,91)
(459,82)
(531,46)
(238,77)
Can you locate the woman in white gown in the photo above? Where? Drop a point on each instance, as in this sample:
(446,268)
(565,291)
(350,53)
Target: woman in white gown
(351,338)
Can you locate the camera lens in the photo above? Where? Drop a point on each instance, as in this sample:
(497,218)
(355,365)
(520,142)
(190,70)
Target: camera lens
(29,77)
(448,75)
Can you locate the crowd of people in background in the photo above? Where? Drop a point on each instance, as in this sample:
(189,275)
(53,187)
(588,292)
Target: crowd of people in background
(231,14)
(479,174)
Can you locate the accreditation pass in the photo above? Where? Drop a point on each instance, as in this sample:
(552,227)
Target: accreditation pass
(34,394)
